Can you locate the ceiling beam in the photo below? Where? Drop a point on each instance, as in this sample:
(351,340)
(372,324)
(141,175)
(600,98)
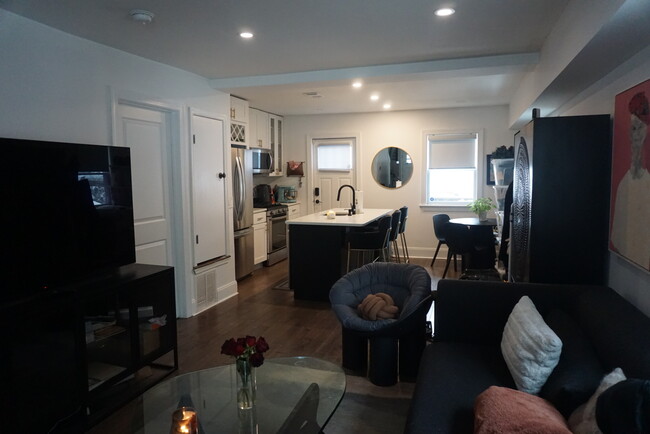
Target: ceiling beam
(480,64)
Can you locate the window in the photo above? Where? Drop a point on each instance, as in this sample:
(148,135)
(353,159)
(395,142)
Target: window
(335,157)
(451,177)
(99,184)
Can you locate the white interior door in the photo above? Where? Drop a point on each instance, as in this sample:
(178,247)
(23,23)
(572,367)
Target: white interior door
(147,132)
(333,166)
(208,188)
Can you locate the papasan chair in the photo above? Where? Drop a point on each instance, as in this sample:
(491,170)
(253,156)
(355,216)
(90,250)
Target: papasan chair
(394,344)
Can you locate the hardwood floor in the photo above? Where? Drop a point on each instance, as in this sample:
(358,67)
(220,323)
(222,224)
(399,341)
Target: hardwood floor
(291,327)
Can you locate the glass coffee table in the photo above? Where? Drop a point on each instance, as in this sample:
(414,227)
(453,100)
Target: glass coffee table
(294,394)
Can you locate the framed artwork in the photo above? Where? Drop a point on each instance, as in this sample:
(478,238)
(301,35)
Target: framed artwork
(489,173)
(629,234)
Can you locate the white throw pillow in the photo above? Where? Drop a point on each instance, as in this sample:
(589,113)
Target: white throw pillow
(529,347)
(583,418)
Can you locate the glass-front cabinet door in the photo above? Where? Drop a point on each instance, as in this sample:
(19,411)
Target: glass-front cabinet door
(275,133)
(154,307)
(108,338)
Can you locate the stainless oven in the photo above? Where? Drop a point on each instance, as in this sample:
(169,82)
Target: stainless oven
(276,218)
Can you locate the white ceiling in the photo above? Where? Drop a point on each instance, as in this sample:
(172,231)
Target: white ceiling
(399,48)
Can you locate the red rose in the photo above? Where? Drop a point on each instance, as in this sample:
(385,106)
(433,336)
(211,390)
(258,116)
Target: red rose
(261,345)
(257,359)
(248,347)
(228,347)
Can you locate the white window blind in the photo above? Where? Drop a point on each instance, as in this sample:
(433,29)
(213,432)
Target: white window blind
(452,151)
(335,157)
(452,168)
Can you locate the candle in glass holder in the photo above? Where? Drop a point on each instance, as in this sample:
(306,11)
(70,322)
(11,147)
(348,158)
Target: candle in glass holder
(184,421)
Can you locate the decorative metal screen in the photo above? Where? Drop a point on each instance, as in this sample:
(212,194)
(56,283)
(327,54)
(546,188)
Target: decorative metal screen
(521,211)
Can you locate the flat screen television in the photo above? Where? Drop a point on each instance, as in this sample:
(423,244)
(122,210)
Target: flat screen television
(67,214)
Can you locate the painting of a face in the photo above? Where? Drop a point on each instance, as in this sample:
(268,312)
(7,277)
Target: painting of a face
(638,130)
(630,190)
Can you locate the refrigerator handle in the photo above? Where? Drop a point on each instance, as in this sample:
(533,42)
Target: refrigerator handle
(236,176)
(242,186)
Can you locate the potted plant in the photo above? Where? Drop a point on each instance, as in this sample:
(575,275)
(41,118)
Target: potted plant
(502,152)
(481,206)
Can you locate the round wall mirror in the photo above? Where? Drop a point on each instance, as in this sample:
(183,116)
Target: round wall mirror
(392,167)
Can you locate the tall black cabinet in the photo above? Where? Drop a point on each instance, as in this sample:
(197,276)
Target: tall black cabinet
(560,210)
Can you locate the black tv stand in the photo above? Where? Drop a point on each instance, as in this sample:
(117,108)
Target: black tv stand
(77,354)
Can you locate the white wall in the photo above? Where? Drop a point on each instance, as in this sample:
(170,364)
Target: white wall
(402,129)
(58,87)
(630,281)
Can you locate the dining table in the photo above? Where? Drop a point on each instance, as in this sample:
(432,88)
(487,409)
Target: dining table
(474,221)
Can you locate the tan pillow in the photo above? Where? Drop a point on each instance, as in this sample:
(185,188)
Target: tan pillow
(378,306)
(583,419)
(500,410)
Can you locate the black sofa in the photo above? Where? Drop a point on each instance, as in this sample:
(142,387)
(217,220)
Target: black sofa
(465,357)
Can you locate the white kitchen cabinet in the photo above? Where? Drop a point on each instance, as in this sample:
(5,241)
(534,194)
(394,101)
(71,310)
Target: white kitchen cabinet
(238,110)
(259,129)
(294,211)
(238,121)
(276,140)
(259,237)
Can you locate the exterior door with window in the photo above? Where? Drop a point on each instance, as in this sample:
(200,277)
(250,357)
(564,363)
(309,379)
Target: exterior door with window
(334,166)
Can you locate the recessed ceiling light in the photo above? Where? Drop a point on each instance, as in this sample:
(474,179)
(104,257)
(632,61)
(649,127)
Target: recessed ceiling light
(141,16)
(387,105)
(357,84)
(444,12)
(374,97)
(246,35)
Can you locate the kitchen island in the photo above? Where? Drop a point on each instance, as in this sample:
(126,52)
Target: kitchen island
(318,253)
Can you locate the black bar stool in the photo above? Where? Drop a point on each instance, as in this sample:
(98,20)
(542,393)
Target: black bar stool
(402,232)
(370,245)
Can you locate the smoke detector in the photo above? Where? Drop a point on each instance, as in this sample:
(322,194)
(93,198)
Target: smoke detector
(141,16)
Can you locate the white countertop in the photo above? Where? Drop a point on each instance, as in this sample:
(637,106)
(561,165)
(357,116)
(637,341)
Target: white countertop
(319,219)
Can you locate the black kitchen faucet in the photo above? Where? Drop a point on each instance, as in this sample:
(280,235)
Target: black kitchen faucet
(353,207)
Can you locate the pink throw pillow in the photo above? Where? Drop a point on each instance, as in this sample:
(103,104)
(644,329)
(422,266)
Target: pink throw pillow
(500,410)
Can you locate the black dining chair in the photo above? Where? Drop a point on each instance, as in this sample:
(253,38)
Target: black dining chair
(440,223)
(460,241)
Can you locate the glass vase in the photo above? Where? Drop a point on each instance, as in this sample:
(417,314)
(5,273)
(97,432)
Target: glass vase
(245,384)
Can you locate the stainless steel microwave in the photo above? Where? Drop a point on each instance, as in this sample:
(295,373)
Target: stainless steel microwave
(262,160)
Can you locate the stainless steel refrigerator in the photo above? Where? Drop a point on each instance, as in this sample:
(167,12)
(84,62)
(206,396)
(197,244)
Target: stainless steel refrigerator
(242,177)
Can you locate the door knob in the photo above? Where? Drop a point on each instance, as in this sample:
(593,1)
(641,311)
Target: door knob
(317,201)
(222,175)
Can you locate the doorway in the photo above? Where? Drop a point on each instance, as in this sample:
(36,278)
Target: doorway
(148,132)
(334,163)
